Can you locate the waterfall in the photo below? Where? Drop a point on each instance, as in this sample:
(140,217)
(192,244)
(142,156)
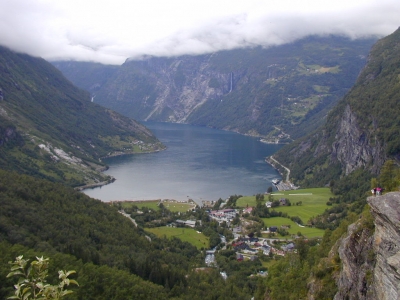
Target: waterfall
(231,82)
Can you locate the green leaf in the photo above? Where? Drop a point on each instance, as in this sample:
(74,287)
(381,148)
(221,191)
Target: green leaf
(14,273)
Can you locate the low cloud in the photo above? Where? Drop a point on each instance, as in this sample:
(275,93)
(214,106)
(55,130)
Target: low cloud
(56,32)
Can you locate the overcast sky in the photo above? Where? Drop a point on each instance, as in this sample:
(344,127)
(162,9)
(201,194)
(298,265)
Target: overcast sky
(111,31)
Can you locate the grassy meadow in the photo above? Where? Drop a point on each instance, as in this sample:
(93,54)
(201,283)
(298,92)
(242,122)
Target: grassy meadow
(189,235)
(154,204)
(294,228)
(313,202)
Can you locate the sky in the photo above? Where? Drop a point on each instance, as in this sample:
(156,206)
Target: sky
(111,31)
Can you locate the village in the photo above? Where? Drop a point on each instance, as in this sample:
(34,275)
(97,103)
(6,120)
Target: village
(238,233)
(247,246)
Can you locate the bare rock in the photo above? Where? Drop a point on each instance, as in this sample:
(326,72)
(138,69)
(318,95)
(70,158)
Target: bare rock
(386,211)
(371,258)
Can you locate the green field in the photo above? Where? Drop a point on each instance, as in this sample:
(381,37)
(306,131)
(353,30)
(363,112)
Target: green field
(313,202)
(294,228)
(153,204)
(178,206)
(189,235)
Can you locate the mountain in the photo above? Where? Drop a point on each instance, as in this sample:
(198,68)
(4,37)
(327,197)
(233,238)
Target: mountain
(361,132)
(51,129)
(279,93)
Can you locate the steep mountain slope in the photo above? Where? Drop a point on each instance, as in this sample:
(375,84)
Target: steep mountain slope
(362,131)
(49,128)
(273,92)
(87,75)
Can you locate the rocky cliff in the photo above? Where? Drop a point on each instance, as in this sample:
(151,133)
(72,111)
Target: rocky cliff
(371,257)
(354,147)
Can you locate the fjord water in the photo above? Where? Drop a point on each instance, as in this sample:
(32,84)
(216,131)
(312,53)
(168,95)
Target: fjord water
(200,163)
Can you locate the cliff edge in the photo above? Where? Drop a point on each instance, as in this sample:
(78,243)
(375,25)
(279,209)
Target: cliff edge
(370,255)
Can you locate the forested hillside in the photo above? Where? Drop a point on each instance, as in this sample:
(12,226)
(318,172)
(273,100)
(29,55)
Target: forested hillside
(49,128)
(280,93)
(113,258)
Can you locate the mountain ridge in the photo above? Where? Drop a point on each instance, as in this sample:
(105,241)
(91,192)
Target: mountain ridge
(278,93)
(49,128)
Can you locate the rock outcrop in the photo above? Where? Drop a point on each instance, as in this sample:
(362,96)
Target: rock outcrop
(353,146)
(371,258)
(386,245)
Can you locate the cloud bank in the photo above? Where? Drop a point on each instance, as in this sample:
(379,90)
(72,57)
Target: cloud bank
(112,31)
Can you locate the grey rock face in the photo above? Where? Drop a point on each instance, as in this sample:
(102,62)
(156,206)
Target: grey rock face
(353,146)
(174,87)
(371,262)
(357,262)
(386,245)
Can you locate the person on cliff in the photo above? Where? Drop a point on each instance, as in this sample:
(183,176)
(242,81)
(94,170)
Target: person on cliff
(378,191)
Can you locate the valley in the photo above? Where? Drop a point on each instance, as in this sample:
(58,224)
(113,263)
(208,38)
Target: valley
(328,240)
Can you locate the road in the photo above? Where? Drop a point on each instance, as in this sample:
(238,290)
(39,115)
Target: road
(287,169)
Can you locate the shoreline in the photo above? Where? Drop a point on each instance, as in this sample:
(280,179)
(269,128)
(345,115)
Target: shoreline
(94,185)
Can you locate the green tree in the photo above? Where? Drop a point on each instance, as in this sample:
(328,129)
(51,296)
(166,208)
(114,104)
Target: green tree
(388,176)
(374,183)
(32,283)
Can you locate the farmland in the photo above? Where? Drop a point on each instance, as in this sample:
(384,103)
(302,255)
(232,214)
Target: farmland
(313,202)
(294,228)
(189,235)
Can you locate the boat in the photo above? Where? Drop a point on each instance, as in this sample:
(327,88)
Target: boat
(275,181)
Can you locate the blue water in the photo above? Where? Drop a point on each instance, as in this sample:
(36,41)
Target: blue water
(199,163)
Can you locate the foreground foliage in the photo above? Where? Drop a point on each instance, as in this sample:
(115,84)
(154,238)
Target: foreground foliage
(32,283)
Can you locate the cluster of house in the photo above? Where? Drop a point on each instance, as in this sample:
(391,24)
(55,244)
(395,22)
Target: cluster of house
(223,215)
(250,246)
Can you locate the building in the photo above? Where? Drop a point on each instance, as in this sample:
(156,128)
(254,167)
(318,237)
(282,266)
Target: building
(223,215)
(189,223)
(248,210)
(273,229)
